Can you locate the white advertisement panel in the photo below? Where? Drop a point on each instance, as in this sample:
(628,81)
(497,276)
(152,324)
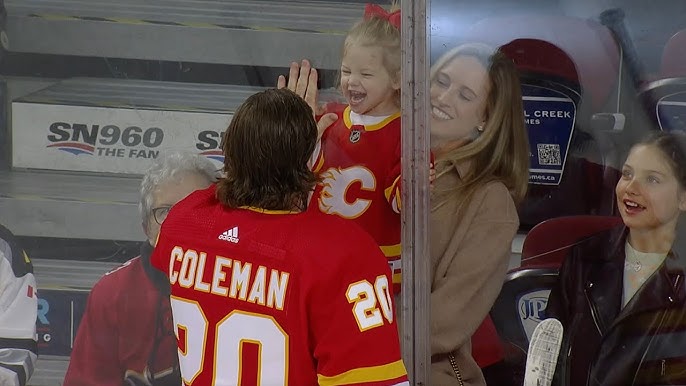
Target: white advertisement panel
(109,140)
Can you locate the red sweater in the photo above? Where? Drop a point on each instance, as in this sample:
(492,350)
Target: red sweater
(126,328)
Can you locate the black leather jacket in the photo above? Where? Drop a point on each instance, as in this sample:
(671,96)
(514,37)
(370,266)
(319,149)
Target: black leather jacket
(643,343)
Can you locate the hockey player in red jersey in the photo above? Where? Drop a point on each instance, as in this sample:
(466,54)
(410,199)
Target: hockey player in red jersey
(265,291)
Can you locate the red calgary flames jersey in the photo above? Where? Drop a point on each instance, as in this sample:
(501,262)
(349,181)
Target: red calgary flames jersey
(360,170)
(277,298)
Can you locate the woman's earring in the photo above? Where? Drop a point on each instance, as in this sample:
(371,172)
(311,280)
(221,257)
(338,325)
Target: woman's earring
(478,130)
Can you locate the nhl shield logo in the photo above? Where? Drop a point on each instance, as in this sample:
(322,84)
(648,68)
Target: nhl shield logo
(354,136)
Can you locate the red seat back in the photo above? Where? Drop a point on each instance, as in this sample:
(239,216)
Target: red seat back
(589,44)
(522,301)
(664,99)
(548,243)
(674,57)
(541,57)
(486,346)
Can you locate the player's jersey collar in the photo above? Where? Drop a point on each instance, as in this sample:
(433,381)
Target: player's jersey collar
(269,211)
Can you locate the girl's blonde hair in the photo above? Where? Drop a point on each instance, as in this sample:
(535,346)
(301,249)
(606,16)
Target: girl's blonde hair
(501,152)
(377,31)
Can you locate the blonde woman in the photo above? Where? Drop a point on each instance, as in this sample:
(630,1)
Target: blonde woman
(482,154)
(479,140)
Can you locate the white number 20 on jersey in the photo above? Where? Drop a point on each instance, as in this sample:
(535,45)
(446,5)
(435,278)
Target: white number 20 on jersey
(232,333)
(365,297)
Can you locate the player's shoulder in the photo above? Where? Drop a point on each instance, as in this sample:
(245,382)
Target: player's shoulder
(193,209)
(9,244)
(198,199)
(336,233)
(319,222)
(6,235)
(14,253)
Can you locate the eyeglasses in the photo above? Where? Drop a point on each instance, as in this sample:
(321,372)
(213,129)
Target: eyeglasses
(160,213)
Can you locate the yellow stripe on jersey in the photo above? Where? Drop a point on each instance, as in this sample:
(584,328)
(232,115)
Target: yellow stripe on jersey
(346,117)
(389,190)
(349,123)
(268,211)
(397,278)
(394,188)
(390,250)
(316,161)
(319,164)
(365,374)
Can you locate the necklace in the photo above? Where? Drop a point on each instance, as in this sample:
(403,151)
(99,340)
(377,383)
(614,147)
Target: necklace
(635,265)
(632,260)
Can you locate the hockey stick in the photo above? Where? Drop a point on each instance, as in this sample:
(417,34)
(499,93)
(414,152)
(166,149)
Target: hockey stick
(544,349)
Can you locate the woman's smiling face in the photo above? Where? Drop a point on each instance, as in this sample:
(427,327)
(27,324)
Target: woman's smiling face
(458,93)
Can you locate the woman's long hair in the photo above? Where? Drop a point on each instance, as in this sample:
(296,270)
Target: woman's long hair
(501,152)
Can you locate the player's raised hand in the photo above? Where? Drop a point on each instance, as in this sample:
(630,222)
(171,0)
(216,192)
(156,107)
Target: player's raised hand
(298,76)
(302,80)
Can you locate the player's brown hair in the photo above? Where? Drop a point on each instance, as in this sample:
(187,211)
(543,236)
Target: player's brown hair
(266,149)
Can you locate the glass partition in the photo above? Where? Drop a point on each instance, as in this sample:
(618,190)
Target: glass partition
(597,77)
(96,91)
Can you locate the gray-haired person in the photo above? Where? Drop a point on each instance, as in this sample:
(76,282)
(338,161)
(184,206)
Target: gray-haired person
(126,336)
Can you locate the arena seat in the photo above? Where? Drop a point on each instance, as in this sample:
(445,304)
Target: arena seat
(569,66)
(569,69)
(524,296)
(664,99)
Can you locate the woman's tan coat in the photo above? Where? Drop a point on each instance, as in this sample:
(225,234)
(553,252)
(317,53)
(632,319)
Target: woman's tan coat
(469,258)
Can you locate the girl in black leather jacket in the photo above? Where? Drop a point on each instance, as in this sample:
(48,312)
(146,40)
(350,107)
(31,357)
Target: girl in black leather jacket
(621,296)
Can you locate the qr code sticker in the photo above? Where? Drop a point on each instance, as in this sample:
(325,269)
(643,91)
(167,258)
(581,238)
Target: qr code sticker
(549,154)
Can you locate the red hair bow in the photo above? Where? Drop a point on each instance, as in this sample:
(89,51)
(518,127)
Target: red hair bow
(371,10)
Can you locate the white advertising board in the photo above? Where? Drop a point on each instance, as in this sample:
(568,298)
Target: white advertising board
(109,140)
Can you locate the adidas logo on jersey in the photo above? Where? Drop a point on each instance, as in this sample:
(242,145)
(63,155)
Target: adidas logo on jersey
(230,235)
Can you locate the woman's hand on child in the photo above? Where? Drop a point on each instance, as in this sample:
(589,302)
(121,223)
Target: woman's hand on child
(432,175)
(325,121)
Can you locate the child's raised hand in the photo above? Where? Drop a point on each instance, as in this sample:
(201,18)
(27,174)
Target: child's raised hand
(302,80)
(324,122)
